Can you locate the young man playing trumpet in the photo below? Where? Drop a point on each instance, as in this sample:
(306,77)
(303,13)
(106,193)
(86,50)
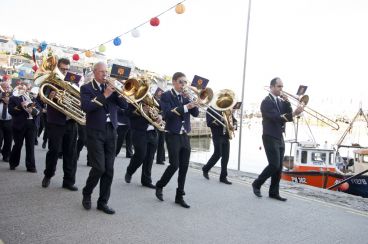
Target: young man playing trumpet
(177,109)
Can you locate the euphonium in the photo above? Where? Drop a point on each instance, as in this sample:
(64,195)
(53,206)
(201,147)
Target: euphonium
(224,102)
(67,96)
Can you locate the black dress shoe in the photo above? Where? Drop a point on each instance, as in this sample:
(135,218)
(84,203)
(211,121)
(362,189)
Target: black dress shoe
(106,209)
(256,190)
(205,175)
(86,202)
(225,181)
(70,187)
(12,168)
(128,178)
(182,203)
(149,185)
(159,193)
(32,170)
(44,145)
(277,197)
(45,182)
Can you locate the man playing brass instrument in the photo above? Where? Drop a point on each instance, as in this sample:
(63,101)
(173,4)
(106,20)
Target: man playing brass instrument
(62,134)
(100,103)
(275,114)
(177,111)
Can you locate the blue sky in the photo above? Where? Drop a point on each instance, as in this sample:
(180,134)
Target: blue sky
(319,43)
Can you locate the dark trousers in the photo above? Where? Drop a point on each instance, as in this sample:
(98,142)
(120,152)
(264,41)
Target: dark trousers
(122,131)
(6,137)
(178,147)
(221,150)
(145,145)
(27,133)
(43,127)
(160,157)
(64,137)
(101,146)
(128,143)
(82,139)
(275,150)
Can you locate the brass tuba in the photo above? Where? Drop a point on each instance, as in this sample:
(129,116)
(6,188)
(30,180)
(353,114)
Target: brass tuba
(136,91)
(67,96)
(224,102)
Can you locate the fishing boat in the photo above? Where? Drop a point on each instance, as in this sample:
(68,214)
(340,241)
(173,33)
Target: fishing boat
(328,168)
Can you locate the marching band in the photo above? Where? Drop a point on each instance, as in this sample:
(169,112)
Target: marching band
(98,114)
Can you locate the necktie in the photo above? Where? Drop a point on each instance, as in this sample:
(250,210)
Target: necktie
(179,98)
(278,104)
(5,111)
(102,88)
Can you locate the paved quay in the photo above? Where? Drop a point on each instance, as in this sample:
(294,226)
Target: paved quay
(219,213)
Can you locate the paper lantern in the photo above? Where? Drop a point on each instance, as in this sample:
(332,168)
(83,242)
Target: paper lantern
(155,21)
(135,33)
(35,68)
(43,45)
(88,53)
(117,41)
(75,57)
(22,73)
(180,8)
(5,77)
(102,48)
(15,75)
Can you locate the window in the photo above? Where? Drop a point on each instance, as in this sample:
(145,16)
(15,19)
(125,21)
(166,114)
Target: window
(304,157)
(318,158)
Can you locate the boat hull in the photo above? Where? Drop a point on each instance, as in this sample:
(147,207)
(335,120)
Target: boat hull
(319,179)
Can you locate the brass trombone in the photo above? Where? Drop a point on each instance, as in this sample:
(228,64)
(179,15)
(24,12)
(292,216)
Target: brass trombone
(303,100)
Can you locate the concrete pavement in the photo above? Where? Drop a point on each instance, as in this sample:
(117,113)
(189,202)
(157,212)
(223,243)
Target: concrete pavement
(219,213)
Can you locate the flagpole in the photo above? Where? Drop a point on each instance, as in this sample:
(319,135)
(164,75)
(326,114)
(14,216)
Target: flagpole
(243,85)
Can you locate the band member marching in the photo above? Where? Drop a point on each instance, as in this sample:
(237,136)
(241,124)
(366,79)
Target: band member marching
(100,103)
(6,133)
(176,111)
(25,113)
(62,136)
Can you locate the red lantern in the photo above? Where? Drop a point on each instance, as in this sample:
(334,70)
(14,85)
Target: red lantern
(35,68)
(5,77)
(155,21)
(75,57)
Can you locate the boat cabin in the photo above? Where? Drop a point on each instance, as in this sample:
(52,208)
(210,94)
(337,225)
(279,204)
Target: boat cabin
(310,157)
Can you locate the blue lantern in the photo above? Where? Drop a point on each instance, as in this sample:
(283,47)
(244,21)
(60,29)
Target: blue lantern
(117,41)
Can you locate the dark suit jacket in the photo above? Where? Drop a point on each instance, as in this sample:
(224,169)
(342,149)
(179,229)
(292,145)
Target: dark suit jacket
(137,121)
(274,120)
(96,114)
(123,116)
(19,115)
(173,112)
(216,128)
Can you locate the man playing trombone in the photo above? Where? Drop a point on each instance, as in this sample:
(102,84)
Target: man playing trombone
(176,111)
(100,103)
(275,113)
